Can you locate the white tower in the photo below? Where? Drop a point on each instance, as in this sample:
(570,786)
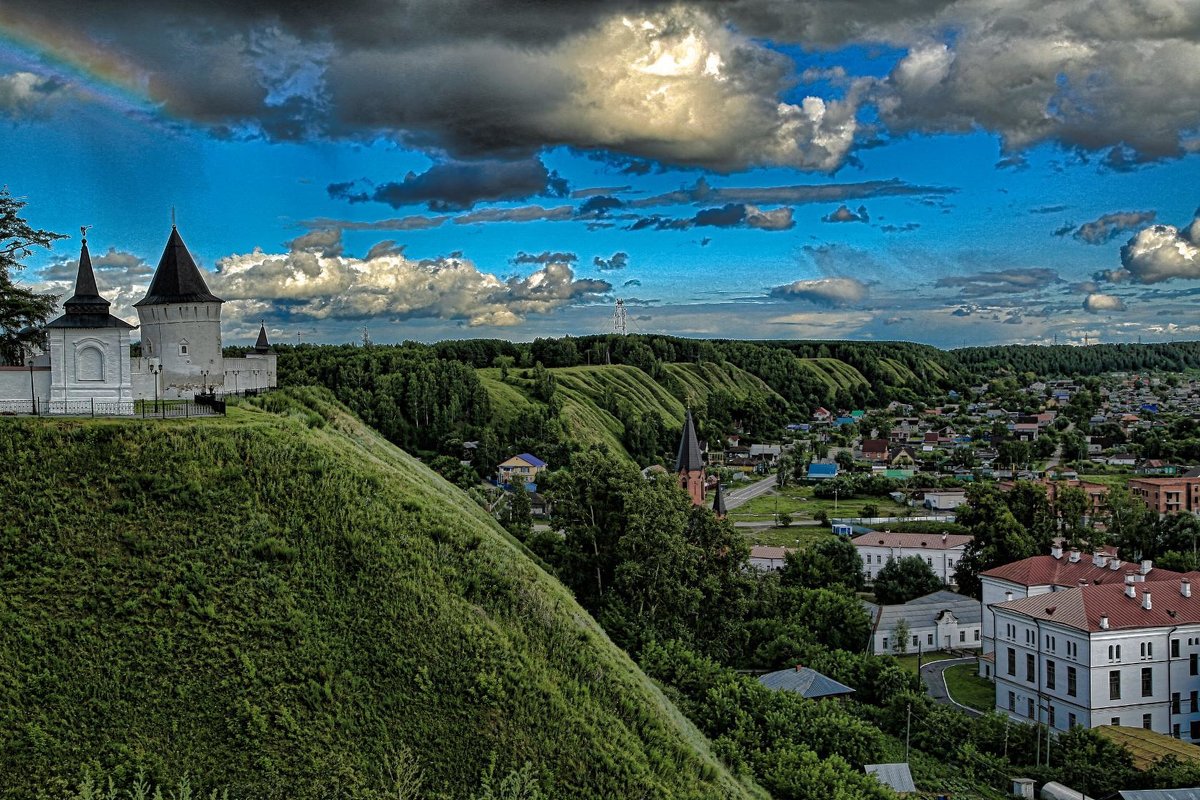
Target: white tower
(89,352)
(181,325)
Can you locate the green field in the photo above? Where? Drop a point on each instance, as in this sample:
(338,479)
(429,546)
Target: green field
(800,503)
(834,373)
(282,604)
(966,687)
(799,536)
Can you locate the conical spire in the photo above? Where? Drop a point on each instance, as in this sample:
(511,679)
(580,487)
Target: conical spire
(719,503)
(86,308)
(177,278)
(262,345)
(688,458)
(87,299)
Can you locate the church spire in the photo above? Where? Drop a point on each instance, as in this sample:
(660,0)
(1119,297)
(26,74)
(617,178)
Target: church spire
(87,299)
(689,457)
(262,346)
(719,503)
(177,278)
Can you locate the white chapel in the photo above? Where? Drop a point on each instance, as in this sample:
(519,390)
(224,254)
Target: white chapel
(87,366)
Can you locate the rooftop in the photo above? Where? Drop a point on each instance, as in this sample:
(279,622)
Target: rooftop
(930,541)
(1051,571)
(805,681)
(1087,607)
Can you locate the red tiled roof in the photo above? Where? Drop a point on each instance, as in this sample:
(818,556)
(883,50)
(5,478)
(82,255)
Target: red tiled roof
(1083,606)
(769,551)
(1051,571)
(931,541)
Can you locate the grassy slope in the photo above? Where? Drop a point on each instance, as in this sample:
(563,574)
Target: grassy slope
(581,390)
(288,606)
(837,374)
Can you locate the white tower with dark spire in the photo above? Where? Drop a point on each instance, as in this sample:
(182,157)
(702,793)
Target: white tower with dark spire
(181,325)
(89,352)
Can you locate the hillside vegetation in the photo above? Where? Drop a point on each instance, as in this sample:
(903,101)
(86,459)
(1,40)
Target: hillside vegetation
(282,604)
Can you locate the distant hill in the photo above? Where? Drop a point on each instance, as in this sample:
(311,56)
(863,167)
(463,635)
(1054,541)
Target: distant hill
(283,604)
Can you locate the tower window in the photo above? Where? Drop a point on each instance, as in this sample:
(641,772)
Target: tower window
(183,348)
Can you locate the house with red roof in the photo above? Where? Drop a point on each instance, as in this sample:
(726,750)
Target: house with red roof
(941,552)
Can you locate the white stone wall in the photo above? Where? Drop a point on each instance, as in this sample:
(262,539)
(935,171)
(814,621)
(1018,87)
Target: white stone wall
(253,372)
(19,387)
(185,338)
(961,637)
(89,371)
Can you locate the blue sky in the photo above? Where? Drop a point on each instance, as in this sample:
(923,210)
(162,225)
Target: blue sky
(930,172)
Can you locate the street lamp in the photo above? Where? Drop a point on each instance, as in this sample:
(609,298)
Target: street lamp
(156,370)
(204,381)
(235,380)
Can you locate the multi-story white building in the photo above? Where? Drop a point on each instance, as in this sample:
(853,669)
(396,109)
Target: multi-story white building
(1056,572)
(1120,653)
(941,551)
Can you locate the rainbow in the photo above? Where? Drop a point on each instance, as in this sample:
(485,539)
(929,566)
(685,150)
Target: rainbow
(95,73)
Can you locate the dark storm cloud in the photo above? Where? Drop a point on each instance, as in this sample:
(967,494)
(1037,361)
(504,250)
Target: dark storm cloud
(118,263)
(599,206)
(631,282)
(730,215)
(1005,281)
(703,192)
(617,261)
(326,241)
(544,257)
(844,214)
(460,185)
(1108,226)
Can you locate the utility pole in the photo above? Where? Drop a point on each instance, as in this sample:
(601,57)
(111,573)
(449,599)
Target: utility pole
(908,728)
(620,318)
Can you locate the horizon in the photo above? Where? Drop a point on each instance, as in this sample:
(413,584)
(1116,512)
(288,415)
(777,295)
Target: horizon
(938,175)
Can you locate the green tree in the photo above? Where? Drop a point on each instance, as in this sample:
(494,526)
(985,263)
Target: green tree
(22,311)
(519,520)
(784,519)
(1071,504)
(824,565)
(505,363)
(900,636)
(997,537)
(903,579)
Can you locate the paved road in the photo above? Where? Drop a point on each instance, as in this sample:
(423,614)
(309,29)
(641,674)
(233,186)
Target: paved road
(739,496)
(935,682)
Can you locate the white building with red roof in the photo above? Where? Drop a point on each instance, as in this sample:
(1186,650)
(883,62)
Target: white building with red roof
(1119,652)
(1056,572)
(941,551)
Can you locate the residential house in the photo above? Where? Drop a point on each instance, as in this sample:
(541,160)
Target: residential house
(875,450)
(822,416)
(522,469)
(822,471)
(765,453)
(901,458)
(768,558)
(940,551)
(939,621)
(941,499)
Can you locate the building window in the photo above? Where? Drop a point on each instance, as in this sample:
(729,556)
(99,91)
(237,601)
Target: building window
(929,639)
(1012,702)
(1012,661)
(1070,721)
(1194,729)
(183,348)
(1146,721)
(916,641)
(1114,684)
(1147,681)
(1194,701)
(1029,668)
(885,647)
(1049,674)
(1175,730)
(962,636)
(1050,715)
(1174,648)
(977,634)
(1029,708)
(1071,678)
(1175,702)
(1193,665)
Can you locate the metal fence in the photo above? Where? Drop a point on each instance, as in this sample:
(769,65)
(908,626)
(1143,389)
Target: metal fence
(146,409)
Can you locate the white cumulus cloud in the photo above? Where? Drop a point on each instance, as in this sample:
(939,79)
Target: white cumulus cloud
(1162,252)
(1099,303)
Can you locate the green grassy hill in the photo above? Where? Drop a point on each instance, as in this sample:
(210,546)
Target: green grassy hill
(283,604)
(836,374)
(582,391)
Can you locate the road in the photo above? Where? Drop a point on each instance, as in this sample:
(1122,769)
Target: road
(935,682)
(739,496)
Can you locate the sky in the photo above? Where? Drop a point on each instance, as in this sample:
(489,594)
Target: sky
(951,172)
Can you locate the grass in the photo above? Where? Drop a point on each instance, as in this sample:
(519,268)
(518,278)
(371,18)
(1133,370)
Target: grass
(282,604)
(800,503)
(1148,748)
(798,536)
(966,687)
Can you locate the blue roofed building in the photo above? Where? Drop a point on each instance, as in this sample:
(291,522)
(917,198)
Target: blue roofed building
(822,471)
(804,681)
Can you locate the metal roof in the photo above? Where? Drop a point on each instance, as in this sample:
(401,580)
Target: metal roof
(177,278)
(86,308)
(924,611)
(897,776)
(1160,794)
(913,541)
(1051,571)
(805,681)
